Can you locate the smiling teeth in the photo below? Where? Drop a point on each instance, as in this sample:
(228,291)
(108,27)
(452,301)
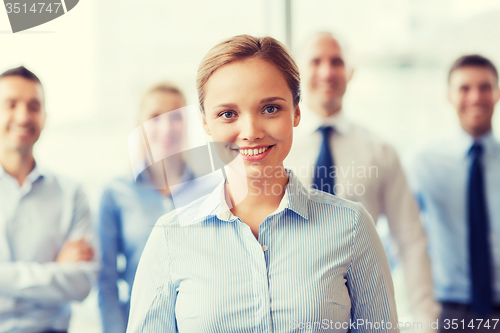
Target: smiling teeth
(251,152)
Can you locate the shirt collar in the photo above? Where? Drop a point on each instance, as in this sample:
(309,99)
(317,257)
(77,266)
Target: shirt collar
(465,142)
(144,177)
(36,173)
(294,199)
(312,121)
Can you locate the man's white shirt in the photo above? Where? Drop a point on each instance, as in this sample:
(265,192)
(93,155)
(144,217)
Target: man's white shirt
(368,170)
(35,221)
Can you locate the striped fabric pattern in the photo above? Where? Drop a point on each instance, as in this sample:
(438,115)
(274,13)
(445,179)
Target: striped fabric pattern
(317,266)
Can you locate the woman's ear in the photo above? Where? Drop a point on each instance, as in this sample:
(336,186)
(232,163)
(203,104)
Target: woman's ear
(205,125)
(296,117)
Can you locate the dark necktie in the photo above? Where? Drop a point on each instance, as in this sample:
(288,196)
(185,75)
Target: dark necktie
(479,245)
(323,169)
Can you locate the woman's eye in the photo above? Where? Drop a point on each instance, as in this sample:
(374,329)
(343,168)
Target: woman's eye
(270,109)
(227,114)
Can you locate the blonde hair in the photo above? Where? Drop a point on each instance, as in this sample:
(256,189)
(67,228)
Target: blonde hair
(242,47)
(165,87)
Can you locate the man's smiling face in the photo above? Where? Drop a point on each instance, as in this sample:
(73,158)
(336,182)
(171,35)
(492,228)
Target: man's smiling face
(473,91)
(22,112)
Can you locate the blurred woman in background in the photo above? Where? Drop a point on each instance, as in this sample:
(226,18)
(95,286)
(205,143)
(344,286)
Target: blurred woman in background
(129,206)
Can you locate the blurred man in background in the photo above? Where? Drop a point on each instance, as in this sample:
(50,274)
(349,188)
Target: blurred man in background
(45,225)
(458,183)
(335,155)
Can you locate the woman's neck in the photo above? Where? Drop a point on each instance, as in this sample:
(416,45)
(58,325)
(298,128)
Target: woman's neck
(253,199)
(167,174)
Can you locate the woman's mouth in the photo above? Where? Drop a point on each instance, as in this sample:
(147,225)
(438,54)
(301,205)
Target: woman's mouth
(254,154)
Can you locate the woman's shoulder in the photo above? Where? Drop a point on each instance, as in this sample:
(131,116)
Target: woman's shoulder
(186,215)
(118,183)
(319,201)
(327,210)
(327,199)
(113,189)
(325,214)
(326,205)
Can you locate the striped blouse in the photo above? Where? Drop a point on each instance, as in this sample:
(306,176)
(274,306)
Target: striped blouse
(317,266)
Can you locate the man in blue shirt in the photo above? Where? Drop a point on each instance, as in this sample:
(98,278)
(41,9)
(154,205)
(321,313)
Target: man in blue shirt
(458,186)
(46,237)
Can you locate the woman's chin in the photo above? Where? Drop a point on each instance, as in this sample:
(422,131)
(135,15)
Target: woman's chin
(260,172)
(164,152)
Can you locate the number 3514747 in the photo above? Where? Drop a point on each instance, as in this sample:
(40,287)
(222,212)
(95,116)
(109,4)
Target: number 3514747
(35,8)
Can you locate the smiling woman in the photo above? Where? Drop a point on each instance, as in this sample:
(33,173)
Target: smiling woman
(280,254)
(257,115)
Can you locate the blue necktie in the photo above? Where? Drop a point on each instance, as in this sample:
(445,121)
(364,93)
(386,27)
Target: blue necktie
(479,245)
(324,165)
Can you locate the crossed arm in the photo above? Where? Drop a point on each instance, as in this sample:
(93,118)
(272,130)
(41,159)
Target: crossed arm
(68,278)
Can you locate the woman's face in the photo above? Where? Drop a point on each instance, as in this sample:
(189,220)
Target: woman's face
(249,105)
(164,123)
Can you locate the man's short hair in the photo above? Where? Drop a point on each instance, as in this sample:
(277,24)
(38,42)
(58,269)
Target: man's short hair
(473,60)
(339,39)
(22,72)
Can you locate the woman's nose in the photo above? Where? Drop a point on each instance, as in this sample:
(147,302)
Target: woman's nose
(164,124)
(251,128)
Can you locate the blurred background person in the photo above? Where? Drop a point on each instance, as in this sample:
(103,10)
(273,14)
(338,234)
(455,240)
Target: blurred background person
(458,184)
(130,205)
(46,233)
(338,156)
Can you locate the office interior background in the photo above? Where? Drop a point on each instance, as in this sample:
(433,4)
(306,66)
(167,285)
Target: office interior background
(97,60)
